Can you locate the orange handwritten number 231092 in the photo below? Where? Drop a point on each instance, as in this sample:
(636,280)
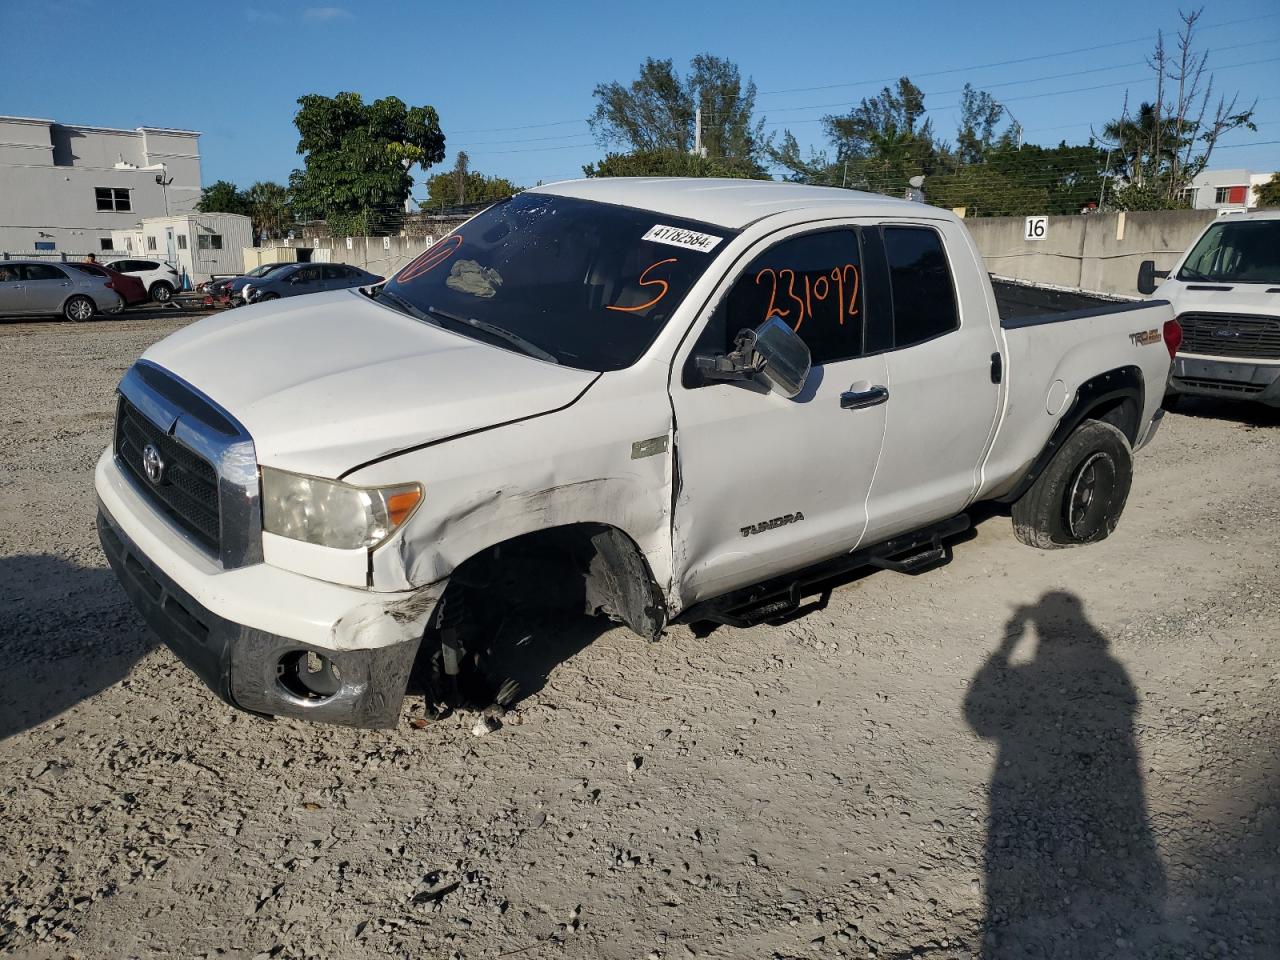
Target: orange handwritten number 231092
(815,288)
(655,282)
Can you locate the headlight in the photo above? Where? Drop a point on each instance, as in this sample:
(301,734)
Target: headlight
(333,514)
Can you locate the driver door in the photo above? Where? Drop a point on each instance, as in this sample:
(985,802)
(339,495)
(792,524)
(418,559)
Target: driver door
(769,484)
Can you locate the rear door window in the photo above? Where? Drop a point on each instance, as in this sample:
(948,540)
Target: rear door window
(43,271)
(924,296)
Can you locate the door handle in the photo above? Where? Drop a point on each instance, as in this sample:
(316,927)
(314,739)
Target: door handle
(857,399)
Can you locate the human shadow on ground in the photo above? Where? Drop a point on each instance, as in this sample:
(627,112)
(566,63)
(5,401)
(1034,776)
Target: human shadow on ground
(66,634)
(1071,863)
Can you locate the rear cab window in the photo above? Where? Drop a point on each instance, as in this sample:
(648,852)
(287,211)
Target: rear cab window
(924,295)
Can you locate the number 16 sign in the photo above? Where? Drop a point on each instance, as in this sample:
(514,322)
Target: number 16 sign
(1037,228)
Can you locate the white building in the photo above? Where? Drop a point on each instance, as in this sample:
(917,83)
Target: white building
(64,187)
(200,245)
(1226,190)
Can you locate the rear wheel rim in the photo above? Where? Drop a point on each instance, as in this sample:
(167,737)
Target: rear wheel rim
(80,309)
(162,293)
(1089,497)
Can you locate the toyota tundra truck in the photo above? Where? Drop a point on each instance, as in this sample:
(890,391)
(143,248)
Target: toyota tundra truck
(1225,292)
(664,400)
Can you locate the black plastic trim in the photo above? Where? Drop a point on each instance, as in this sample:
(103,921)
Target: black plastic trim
(1015,323)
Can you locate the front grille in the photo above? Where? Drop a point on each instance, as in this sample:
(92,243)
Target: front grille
(1230,335)
(188,488)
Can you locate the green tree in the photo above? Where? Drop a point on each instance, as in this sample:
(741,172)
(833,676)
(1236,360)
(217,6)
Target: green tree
(222,196)
(884,140)
(1269,192)
(442,189)
(669,163)
(1162,148)
(269,208)
(979,115)
(657,111)
(357,158)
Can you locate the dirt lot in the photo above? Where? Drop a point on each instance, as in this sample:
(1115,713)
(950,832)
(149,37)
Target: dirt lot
(1067,754)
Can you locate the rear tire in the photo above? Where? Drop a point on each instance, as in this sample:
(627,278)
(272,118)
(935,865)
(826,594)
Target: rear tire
(161,292)
(78,309)
(1171,401)
(1080,495)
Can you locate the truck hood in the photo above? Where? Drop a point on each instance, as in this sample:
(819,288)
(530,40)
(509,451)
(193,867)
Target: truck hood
(1241,298)
(326,382)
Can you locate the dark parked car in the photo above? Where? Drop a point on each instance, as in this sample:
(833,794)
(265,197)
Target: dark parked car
(299,278)
(228,289)
(130,288)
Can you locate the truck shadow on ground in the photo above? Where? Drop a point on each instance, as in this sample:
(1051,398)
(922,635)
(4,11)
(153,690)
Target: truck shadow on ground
(1071,863)
(67,633)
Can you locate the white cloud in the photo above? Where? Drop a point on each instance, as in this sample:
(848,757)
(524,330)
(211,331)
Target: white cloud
(325,13)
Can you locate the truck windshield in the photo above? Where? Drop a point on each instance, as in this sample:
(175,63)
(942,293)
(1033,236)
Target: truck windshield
(1247,251)
(589,284)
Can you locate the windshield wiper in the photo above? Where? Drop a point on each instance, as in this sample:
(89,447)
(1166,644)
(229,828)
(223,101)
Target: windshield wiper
(433,316)
(517,341)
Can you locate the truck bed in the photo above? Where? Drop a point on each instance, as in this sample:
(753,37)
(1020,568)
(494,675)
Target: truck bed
(1016,300)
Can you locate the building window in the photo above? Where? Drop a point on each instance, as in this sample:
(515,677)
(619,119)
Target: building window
(216,241)
(210,241)
(151,243)
(1229,195)
(182,241)
(104,243)
(113,198)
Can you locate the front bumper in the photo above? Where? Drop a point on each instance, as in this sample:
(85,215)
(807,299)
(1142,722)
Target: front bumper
(238,628)
(1227,379)
(245,666)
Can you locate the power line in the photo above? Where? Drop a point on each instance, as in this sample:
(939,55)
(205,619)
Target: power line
(1005,63)
(935,73)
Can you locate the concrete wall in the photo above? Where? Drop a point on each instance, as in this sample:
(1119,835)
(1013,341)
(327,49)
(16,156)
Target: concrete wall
(1096,252)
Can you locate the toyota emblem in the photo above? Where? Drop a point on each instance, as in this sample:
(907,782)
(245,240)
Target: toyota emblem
(152,463)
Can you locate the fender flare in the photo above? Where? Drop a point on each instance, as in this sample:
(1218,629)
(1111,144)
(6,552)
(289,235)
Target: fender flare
(1106,390)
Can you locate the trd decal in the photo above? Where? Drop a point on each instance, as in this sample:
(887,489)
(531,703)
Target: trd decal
(771,524)
(1145,337)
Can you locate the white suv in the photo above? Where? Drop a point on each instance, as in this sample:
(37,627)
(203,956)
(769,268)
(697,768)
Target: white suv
(161,279)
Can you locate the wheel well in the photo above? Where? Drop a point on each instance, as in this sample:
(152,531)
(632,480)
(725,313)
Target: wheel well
(1115,397)
(1124,413)
(593,567)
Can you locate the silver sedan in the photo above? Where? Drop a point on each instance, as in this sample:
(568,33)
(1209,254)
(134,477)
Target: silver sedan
(41,287)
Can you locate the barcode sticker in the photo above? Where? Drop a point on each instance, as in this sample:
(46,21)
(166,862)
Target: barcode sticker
(678,237)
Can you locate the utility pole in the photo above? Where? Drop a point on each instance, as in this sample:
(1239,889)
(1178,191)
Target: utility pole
(698,150)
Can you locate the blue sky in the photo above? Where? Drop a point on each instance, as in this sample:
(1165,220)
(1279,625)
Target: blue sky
(512,82)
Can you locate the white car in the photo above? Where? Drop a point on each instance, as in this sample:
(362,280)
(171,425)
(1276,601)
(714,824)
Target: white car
(659,400)
(161,278)
(1225,291)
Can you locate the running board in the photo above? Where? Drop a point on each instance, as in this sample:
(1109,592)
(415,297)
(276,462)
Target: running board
(781,596)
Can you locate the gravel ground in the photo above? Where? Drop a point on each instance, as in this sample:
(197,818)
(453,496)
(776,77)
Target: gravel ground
(1021,754)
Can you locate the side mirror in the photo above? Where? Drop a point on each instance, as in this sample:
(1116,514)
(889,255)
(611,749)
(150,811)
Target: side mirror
(1147,276)
(771,353)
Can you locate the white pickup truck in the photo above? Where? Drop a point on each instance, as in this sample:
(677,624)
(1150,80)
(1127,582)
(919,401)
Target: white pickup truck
(1225,291)
(675,400)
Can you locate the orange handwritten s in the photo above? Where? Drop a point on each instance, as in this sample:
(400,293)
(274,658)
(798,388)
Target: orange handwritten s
(657,281)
